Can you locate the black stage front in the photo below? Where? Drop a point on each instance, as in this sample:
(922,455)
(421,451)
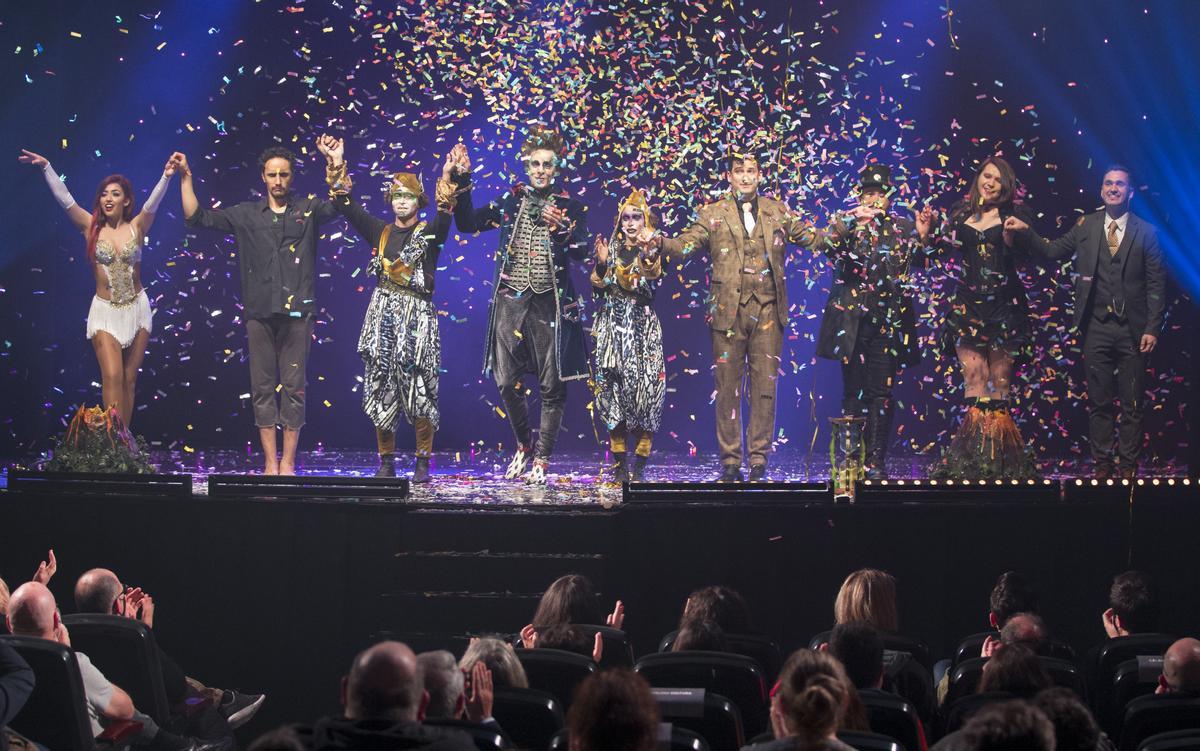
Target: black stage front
(277,595)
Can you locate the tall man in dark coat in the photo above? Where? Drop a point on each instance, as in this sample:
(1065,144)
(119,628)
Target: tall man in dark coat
(869,325)
(535,320)
(1120,298)
(745,235)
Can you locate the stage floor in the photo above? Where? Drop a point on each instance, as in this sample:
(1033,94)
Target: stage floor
(474,478)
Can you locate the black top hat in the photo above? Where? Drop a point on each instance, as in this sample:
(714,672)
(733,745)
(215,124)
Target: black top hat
(875,176)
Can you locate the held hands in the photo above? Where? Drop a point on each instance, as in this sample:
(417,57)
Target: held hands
(28,157)
(1012,226)
(1147,343)
(178,163)
(46,569)
(924,221)
(332,148)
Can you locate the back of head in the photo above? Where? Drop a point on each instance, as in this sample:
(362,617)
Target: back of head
(868,595)
(1181,666)
(1015,669)
(1134,599)
(1074,727)
(613,711)
(96,591)
(280,739)
(1008,726)
(1012,594)
(31,611)
(500,658)
(565,637)
(812,695)
(385,681)
(443,682)
(720,605)
(1026,629)
(569,599)
(860,649)
(700,635)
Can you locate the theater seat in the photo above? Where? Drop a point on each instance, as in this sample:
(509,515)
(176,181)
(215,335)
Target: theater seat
(895,642)
(972,645)
(894,717)
(869,741)
(124,650)
(680,740)
(1102,664)
(56,714)
(528,716)
(617,651)
(485,738)
(1132,678)
(1177,740)
(1151,715)
(711,716)
(556,671)
(965,678)
(963,709)
(762,649)
(736,677)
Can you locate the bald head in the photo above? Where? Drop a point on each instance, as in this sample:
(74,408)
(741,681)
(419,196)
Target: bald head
(1181,665)
(1024,628)
(31,611)
(385,681)
(96,591)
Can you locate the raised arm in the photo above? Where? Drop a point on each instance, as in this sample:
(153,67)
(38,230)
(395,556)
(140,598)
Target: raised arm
(78,216)
(340,185)
(145,217)
(193,215)
(690,242)
(1064,247)
(466,216)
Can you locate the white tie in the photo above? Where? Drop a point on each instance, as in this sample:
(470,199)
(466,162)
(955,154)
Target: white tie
(747,218)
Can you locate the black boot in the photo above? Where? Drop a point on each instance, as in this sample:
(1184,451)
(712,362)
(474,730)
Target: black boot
(620,474)
(638,473)
(731,473)
(879,432)
(387,466)
(421,471)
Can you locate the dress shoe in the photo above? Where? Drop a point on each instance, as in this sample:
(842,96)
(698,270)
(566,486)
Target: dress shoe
(731,473)
(421,471)
(638,472)
(758,473)
(387,466)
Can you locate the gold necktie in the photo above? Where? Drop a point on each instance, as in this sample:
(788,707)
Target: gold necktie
(1112,238)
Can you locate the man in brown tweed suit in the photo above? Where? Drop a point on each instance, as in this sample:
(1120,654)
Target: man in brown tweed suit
(745,235)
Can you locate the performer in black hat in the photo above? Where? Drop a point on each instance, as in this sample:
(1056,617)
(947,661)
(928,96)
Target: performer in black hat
(869,324)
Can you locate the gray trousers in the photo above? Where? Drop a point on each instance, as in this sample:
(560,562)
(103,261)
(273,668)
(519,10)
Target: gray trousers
(753,344)
(524,343)
(1115,372)
(278,349)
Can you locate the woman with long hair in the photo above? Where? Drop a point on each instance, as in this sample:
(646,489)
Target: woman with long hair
(988,327)
(810,704)
(120,320)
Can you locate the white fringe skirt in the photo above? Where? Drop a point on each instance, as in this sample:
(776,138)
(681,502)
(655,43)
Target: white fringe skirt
(122,321)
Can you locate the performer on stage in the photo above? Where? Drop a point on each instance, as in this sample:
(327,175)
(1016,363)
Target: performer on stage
(120,320)
(277,251)
(745,235)
(535,318)
(399,343)
(989,328)
(1119,303)
(631,376)
(869,324)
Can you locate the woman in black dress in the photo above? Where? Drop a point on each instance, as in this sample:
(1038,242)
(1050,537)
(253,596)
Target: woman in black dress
(989,328)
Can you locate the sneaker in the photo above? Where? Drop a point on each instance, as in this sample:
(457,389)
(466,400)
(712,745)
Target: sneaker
(516,467)
(537,475)
(237,708)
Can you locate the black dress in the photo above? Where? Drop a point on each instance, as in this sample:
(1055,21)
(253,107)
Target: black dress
(990,309)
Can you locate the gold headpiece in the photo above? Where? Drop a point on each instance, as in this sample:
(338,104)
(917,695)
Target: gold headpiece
(407,182)
(637,200)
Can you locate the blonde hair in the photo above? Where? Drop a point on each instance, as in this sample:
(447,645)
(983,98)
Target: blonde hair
(813,694)
(868,595)
(4,595)
(500,658)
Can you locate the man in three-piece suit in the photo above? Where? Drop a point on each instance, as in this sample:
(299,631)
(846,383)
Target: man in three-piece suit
(1119,302)
(745,235)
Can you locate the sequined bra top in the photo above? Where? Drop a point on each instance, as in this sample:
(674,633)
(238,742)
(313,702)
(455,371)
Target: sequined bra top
(118,264)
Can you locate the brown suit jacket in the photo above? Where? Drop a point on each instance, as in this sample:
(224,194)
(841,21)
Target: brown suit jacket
(718,231)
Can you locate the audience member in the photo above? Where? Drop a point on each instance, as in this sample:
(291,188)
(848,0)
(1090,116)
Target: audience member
(868,595)
(859,648)
(1015,669)
(613,710)
(1074,727)
(700,635)
(568,638)
(279,739)
(1026,629)
(33,612)
(16,684)
(1181,668)
(809,704)
(500,659)
(571,599)
(451,697)
(99,590)
(383,703)
(1132,605)
(1011,594)
(717,604)
(1005,726)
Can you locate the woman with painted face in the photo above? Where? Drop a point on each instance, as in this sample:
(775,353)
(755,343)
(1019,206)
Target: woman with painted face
(399,343)
(120,320)
(631,375)
(989,328)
